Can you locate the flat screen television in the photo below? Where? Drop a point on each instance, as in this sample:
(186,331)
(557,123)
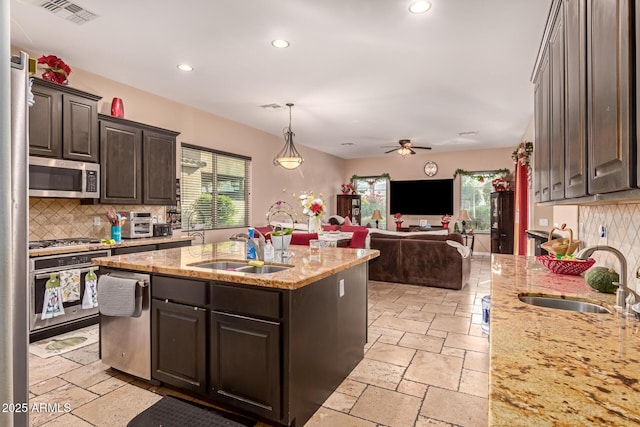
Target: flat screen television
(421,197)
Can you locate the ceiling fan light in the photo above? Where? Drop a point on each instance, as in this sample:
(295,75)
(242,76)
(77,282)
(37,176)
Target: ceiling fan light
(403,151)
(289,157)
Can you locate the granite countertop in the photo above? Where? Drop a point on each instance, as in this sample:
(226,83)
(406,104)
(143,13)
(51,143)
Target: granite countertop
(180,262)
(555,367)
(96,246)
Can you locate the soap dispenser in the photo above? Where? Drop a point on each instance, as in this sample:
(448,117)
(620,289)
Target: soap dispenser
(251,245)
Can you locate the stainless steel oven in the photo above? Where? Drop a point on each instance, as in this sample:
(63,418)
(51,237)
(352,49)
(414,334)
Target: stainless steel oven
(40,269)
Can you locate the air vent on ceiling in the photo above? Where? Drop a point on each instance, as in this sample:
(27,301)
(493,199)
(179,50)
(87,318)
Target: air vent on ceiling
(271,107)
(67,10)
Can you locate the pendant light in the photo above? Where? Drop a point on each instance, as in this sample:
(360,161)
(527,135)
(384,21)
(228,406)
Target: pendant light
(288,157)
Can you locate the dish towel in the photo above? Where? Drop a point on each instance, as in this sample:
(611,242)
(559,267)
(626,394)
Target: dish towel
(70,284)
(90,297)
(462,249)
(52,305)
(119,297)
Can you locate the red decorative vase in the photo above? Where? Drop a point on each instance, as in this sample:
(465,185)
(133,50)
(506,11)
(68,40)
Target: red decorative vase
(445,224)
(398,225)
(117,108)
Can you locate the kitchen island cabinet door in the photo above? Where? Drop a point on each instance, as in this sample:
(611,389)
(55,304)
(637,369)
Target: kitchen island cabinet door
(159,168)
(245,363)
(178,349)
(121,160)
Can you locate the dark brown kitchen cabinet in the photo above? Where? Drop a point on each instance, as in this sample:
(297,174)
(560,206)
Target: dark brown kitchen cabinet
(348,206)
(557,107)
(244,363)
(138,163)
(575,178)
(178,349)
(63,123)
(158,158)
(502,222)
(541,146)
(609,95)
(121,160)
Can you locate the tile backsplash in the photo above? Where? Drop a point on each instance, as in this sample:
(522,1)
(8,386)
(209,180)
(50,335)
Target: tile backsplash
(60,218)
(622,224)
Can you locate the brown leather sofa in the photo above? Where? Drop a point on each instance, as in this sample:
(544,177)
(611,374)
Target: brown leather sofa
(419,259)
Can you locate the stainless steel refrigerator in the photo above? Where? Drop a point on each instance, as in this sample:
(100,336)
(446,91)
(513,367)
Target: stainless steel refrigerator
(14,206)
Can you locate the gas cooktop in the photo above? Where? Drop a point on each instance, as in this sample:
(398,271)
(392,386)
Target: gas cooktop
(56,243)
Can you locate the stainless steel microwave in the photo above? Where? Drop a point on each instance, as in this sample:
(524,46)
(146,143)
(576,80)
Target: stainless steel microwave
(63,178)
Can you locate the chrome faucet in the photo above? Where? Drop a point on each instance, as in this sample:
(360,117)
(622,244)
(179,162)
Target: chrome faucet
(586,253)
(258,244)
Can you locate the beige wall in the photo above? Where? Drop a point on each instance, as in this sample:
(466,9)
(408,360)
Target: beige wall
(412,167)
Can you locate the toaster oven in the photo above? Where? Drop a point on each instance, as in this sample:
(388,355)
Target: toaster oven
(137,225)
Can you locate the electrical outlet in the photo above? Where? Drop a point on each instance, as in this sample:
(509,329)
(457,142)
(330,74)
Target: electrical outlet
(341,288)
(602,230)
(97,221)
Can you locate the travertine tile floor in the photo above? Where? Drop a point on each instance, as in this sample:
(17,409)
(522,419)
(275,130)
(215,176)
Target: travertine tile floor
(426,363)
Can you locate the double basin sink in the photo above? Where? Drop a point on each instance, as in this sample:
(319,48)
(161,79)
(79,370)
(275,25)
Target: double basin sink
(242,267)
(564,303)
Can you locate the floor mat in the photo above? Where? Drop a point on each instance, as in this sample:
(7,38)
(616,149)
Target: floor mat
(173,412)
(64,343)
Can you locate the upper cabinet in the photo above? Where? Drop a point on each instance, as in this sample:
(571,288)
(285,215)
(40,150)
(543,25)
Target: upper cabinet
(138,163)
(63,123)
(609,95)
(584,102)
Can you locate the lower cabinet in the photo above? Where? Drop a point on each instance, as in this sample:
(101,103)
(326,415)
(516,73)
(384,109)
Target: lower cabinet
(244,363)
(178,349)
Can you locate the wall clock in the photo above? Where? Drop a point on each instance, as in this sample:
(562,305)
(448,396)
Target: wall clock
(430,168)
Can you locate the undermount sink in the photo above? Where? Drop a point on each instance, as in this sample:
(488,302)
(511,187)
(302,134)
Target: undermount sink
(563,304)
(265,269)
(222,265)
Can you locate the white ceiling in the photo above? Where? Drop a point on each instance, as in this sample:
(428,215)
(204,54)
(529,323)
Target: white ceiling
(364,72)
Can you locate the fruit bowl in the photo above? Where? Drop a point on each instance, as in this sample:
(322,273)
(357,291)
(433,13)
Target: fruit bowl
(573,267)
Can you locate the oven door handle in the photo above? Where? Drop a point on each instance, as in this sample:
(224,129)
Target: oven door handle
(82,270)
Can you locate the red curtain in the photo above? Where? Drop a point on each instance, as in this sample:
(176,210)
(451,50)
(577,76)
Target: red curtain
(522,206)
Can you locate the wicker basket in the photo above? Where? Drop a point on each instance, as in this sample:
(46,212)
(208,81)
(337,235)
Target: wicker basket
(562,266)
(568,245)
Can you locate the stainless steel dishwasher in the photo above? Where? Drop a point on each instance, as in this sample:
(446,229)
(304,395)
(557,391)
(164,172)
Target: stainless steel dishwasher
(125,342)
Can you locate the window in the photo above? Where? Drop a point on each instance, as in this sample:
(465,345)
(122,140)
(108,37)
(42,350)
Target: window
(374,190)
(214,189)
(475,197)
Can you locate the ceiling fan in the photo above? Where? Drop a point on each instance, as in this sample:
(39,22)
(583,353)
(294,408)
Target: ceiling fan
(406,148)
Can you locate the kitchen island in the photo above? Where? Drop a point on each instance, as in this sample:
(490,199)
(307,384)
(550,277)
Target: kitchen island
(554,367)
(273,345)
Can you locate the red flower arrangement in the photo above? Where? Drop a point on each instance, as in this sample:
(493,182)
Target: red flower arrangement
(56,70)
(347,188)
(397,218)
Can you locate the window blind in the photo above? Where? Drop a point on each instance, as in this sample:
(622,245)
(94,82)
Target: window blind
(215,189)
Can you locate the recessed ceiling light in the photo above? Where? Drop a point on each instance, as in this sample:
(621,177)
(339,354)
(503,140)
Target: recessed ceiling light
(468,133)
(185,67)
(420,6)
(280,43)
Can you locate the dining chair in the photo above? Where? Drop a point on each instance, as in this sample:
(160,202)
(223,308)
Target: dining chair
(359,238)
(302,238)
